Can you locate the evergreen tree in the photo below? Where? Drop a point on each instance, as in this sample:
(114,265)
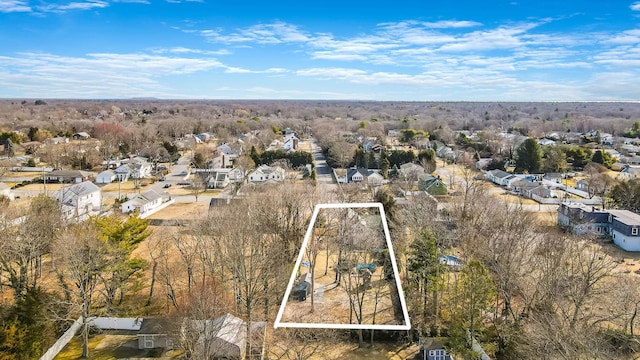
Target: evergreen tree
(529,157)
(602,157)
(425,268)
(384,164)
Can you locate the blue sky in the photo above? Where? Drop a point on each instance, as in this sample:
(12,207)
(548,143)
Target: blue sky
(393,50)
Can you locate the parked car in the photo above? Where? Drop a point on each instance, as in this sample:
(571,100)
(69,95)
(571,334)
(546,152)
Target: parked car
(303,288)
(167,186)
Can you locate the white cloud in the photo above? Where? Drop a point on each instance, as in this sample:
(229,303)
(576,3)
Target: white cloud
(146,2)
(88,5)
(7,6)
(635,6)
(184,50)
(105,75)
(274,33)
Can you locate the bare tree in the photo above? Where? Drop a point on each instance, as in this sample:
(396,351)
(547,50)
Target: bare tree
(80,256)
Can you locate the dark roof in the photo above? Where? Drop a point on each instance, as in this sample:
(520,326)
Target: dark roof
(499,173)
(151,326)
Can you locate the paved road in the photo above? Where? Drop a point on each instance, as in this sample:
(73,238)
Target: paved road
(327,187)
(323,171)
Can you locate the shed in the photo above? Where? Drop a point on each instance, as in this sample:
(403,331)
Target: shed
(106,177)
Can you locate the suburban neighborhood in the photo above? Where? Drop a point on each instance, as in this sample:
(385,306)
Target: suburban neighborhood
(186,229)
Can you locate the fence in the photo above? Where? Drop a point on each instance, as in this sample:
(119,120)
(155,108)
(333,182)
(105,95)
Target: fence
(108,323)
(62,341)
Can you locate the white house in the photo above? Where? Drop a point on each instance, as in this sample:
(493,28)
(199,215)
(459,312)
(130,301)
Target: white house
(106,177)
(80,200)
(624,229)
(501,177)
(144,202)
(352,175)
(137,168)
(265,173)
(5,191)
(290,142)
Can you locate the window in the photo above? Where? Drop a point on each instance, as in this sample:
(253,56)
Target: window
(148,342)
(634,231)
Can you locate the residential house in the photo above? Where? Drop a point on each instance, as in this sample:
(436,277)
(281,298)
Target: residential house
(155,333)
(433,350)
(112,164)
(555,177)
(106,177)
(501,177)
(81,136)
(432,185)
(621,226)
(218,180)
(228,151)
(623,229)
(410,171)
(582,185)
(524,186)
(123,172)
(135,168)
(220,161)
(226,338)
(68,176)
(266,173)
(143,203)
(80,200)
(221,338)
(354,175)
(290,142)
(445,152)
(5,191)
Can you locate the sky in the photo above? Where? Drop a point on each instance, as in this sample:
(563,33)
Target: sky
(399,50)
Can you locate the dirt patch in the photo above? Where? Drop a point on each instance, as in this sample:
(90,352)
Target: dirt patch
(629,262)
(182,211)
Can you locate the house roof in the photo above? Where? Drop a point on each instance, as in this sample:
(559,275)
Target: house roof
(69,173)
(497,173)
(151,195)
(364,172)
(626,217)
(411,167)
(230,329)
(227,327)
(269,169)
(526,184)
(108,172)
(151,326)
(80,189)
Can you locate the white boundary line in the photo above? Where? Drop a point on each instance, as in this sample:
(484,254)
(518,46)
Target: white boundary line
(407,322)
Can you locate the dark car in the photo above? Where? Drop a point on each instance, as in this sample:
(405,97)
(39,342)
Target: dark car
(300,291)
(303,288)
(167,186)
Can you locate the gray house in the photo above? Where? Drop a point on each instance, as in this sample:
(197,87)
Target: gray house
(432,349)
(154,333)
